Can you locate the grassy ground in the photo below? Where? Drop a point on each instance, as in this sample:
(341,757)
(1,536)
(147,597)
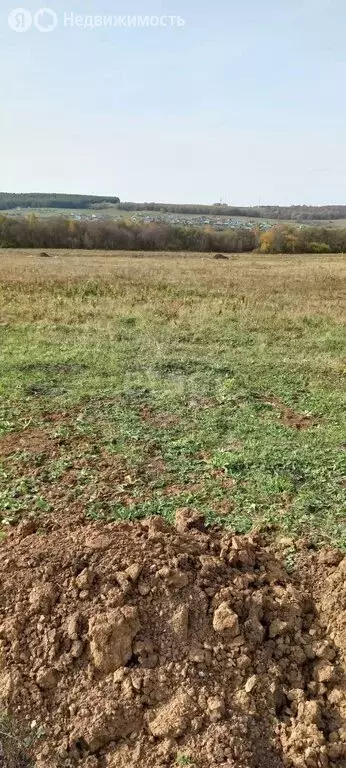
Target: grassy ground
(133,385)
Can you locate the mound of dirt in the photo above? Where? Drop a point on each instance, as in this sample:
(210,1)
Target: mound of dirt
(144,645)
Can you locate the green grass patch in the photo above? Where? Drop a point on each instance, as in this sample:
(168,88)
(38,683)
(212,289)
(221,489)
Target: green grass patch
(163,398)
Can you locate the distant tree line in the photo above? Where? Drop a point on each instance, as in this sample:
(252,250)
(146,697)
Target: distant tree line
(279,212)
(123,234)
(303,212)
(9,201)
(202,210)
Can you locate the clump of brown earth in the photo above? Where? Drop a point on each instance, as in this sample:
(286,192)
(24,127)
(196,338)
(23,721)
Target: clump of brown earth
(145,645)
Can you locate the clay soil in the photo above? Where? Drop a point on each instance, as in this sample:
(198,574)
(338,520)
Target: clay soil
(133,645)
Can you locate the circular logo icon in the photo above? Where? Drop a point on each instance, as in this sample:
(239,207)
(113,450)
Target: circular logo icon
(45,20)
(20,20)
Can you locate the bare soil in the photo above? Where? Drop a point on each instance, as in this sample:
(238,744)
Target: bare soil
(288,416)
(31,440)
(142,644)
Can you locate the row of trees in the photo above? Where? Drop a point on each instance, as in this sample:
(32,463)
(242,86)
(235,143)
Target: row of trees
(123,234)
(279,212)
(186,209)
(10,201)
(304,212)
(291,239)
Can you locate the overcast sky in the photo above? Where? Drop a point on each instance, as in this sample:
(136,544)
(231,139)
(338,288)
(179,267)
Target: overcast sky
(244,103)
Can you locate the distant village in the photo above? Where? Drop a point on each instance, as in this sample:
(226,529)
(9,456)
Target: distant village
(215,222)
(112,213)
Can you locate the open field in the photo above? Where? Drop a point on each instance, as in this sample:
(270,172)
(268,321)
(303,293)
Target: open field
(134,384)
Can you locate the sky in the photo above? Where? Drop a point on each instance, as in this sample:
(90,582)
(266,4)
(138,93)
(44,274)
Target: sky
(244,102)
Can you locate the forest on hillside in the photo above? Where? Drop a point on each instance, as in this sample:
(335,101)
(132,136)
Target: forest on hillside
(10,201)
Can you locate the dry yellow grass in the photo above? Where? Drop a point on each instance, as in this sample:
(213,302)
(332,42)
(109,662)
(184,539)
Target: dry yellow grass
(249,284)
